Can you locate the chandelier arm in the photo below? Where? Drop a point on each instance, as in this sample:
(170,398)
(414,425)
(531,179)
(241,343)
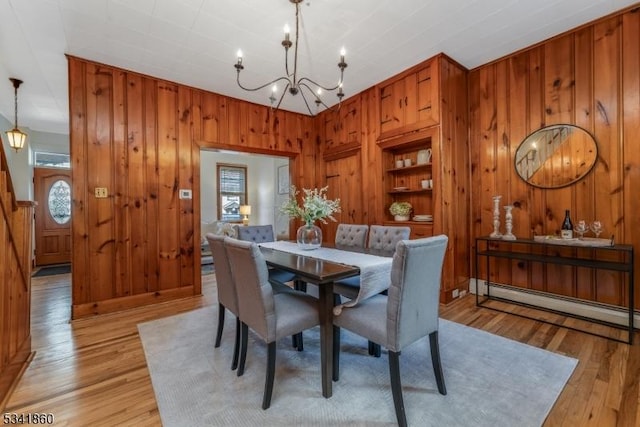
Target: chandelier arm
(286,62)
(283,93)
(317,98)
(304,98)
(328,89)
(263,86)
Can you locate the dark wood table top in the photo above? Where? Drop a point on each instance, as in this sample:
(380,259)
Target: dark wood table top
(309,269)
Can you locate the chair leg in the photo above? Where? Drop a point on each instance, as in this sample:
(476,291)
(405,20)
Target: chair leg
(299,341)
(244,334)
(435,360)
(374,349)
(236,346)
(271,371)
(221,310)
(300,285)
(396,387)
(336,353)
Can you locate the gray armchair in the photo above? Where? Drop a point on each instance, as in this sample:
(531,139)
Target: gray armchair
(408,313)
(271,316)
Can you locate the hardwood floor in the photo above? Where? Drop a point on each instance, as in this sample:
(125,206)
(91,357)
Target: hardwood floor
(93,371)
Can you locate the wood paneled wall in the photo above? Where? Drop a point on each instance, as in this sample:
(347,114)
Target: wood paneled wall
(140,138)
(589,77)
(16,221)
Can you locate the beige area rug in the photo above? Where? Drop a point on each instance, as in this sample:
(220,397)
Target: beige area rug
(491,381)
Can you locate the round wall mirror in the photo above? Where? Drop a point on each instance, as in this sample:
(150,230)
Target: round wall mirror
(556,156)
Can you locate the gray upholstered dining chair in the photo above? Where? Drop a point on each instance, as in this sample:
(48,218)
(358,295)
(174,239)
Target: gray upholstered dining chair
(227,299)
(351,235)
(407,314)
(260,234)
(277,277)
(382,241)
(271,316)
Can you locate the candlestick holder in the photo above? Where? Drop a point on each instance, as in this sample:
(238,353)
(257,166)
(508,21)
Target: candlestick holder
(508,219)
(496,217)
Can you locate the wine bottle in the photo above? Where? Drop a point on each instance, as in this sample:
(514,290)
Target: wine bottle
(566,232)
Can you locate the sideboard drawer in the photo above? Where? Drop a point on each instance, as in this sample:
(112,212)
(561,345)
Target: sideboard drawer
(420,231)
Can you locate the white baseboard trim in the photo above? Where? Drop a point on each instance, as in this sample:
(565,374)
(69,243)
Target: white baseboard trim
(568,306)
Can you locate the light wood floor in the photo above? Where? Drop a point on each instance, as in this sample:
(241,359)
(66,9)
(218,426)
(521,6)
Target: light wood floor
(93,372)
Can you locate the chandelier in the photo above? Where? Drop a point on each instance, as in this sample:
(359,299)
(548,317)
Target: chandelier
(15,136)
(293,83)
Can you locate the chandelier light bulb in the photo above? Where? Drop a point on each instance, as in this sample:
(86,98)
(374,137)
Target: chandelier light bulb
(342,54)
(319,91)
(274,88)
(287,32)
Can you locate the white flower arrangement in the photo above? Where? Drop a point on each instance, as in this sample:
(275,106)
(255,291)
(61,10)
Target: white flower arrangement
(315,205)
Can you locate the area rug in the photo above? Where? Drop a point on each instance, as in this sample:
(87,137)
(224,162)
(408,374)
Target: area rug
(491,381)
(52,270)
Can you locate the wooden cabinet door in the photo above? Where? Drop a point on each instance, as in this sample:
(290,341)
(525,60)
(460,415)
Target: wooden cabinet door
(344,178)
(52,188)
(342,126)
(411,102)
(392,100)
(427,103)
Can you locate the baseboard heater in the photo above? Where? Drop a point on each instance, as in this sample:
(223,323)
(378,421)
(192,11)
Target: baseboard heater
(585,310)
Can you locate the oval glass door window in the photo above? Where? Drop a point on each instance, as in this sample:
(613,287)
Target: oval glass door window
(60,202)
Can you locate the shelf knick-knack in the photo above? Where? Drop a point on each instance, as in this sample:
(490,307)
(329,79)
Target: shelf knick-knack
(496,217)
(508,220)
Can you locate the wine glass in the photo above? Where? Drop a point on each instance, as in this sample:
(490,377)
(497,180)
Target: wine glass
(581,228)
(596,227)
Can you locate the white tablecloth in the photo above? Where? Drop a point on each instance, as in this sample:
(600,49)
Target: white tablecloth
(375,271)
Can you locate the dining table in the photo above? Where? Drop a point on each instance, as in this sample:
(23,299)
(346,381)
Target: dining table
(323,267)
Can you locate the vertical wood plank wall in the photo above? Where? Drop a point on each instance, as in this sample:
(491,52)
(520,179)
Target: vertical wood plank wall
(140,138)
(589,77)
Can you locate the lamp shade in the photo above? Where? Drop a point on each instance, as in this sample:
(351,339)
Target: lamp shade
(245,209)
(16,138)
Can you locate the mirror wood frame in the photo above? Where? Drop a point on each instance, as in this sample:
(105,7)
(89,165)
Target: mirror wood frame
(556,156)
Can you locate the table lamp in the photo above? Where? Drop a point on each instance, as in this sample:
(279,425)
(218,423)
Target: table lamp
(245,211)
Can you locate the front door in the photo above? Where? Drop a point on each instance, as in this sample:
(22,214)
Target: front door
(52,188)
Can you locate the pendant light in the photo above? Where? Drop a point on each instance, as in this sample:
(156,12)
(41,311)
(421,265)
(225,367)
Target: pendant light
(15,136)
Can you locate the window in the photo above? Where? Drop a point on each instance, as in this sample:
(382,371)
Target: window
(232,191)
(52,160)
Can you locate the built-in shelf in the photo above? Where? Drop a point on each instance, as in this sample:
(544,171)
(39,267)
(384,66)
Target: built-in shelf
(412,168)
(417,190)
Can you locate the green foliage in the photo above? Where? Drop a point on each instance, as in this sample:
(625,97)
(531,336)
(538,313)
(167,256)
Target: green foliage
(400,208)
(315,205)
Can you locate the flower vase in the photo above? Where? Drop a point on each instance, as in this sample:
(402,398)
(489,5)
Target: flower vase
(309,236)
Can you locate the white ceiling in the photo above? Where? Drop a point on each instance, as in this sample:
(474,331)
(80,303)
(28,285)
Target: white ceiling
(194,42)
